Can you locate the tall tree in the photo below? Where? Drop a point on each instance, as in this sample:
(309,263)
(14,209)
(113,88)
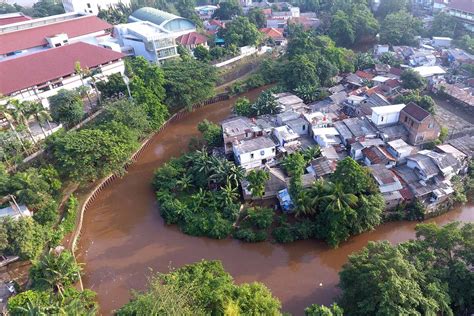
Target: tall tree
(227,10)
(257,180)
(412,80)
(341,30)
(387,7)
(399,28)
(240,32)
(66,107)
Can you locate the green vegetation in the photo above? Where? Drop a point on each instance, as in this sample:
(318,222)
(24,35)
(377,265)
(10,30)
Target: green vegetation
(412,80)
(429,275)
(199,193)
(240,32)
(40,9)
(317,310)
(203,288)
(399,28)
(257,180)
(227,10)
(424,101)
(211,133)
(265,104)
(254,224)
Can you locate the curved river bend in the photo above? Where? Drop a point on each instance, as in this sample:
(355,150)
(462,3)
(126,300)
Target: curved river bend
(124,236)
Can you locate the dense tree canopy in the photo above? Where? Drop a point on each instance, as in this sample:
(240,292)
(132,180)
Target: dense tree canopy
(188,83)
(424,101)
(412,80)
(67,107)
(387,7)
(257,17)
(399,28)
(202,288)
(430,275)
(227,10)
(240,32)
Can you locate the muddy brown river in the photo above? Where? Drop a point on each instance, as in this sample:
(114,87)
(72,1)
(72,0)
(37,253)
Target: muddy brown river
(124,237)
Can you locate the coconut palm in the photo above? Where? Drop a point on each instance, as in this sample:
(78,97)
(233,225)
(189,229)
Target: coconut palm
(337,200)
(21,113)
(41,115)
(82,72)
(304,205)
(31,309)
(11,123)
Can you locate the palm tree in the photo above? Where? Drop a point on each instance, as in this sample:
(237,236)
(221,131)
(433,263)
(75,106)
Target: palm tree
(6,113)
(304,205)
(82,72)
(21,113)
(42,116)
(31,309)
(235,174)
(337,200)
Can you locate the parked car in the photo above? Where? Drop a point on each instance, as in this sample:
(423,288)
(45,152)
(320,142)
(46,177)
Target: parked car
(6,260)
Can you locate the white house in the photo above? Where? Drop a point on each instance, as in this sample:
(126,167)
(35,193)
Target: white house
(285,136)
(300,126)
(91,6)
(400,150)
(254,153)
(384,115)
(389,185)
(439,41)
(326,136)
(433,74)
(153,43)
(37,76)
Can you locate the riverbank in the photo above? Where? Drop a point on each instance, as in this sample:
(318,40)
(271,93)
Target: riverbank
(124,236)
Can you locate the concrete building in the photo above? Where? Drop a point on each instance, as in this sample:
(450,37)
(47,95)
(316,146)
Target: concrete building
(237,129)
(285,136)
(37,76)
(389,185)
(463,10)
(421,125)
(254,153)
(400,150)
(147,40)
(168,22)
(91,6)
(386,115)
(41,34)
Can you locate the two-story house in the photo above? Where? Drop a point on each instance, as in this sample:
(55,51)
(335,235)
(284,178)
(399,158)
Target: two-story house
(254,153)
(421,125)
(236,129)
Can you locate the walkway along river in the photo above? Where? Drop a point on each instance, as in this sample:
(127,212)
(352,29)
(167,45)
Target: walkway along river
(123,236)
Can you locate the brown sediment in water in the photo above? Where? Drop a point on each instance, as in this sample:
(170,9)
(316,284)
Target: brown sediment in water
(123,236)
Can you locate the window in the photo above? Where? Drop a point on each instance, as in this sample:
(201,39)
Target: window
(89,5)
(411,124)
(262,152)
(304,127)
(406,119)
(431,125)
(381,119)
(251,156)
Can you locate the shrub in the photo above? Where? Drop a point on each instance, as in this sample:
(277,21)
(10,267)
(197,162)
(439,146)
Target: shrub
(283,234)
(248,235)
(260,217)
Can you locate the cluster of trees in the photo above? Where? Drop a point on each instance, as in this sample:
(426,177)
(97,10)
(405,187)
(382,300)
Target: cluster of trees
(424,101)
(19,140)
(203,288)
(313,60)
(400,28)
(240,32)
(348,203)
(40,9)
(199,193)
(352,22)
(265,104)
(429,275)
(52,290)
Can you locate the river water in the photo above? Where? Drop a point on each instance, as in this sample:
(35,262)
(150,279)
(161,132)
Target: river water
(124,238)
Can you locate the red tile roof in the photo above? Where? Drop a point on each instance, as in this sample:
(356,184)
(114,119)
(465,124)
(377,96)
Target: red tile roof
(37,68)
(36,36)
(193,38)
(275,33)
(217,23)
(8,19)
(396,71)
(462,5)
(392,83)
(364,75)
(415,111)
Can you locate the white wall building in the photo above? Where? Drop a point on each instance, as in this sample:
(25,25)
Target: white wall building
(41,34)
(91,6)
(384,115)
(285,136)
(37,76)
(326,136)
(147,40)
(254,153)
